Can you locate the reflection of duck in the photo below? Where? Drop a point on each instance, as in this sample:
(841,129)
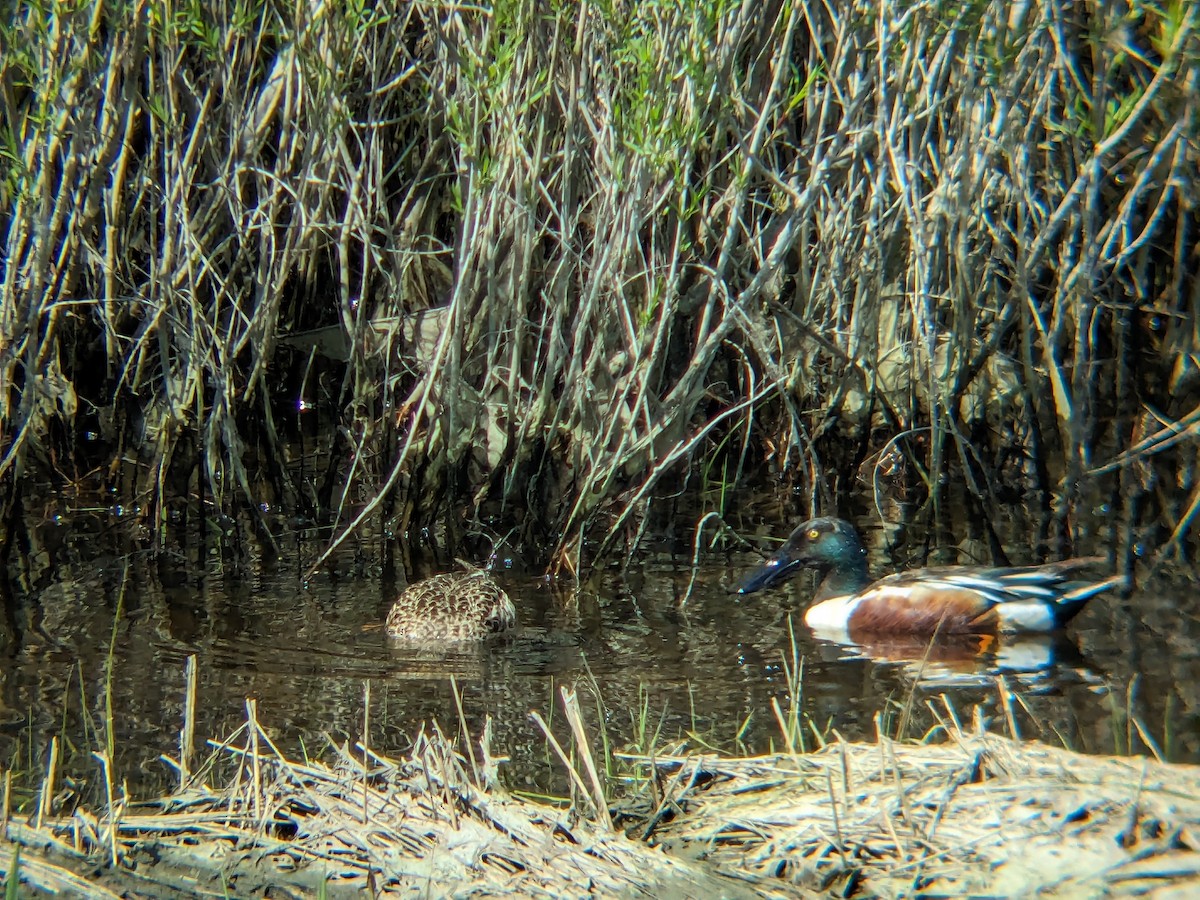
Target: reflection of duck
(961,659)
(950,600)
(456,606)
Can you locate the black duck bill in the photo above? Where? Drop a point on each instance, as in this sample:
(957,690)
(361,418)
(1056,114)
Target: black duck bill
(774,570)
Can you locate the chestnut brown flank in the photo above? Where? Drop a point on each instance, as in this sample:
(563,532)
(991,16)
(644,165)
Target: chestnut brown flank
(921,610)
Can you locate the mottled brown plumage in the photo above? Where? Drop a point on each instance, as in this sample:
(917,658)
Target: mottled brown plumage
(456,606)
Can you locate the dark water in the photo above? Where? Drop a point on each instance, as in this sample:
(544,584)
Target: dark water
(650,670)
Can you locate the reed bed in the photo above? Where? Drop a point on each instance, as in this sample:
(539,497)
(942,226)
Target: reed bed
(534,266)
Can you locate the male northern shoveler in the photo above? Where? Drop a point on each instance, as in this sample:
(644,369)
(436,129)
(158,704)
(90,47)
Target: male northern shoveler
(456,606)
(944,600)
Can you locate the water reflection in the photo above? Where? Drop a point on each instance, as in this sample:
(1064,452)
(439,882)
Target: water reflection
(92,632)
(962,660)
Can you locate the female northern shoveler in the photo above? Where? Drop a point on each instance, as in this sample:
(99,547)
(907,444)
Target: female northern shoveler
(945,600)
(456,606)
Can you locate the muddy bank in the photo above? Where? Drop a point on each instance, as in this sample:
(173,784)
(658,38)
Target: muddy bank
(976,815)
(980,815)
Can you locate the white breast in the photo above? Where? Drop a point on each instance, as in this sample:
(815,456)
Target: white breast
(830,619)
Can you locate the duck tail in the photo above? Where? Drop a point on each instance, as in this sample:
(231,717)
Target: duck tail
(1071,602)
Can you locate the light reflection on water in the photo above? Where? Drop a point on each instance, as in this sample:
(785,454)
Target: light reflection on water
(644,664)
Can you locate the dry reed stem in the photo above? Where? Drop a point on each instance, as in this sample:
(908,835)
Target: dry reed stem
(781,721)
(46,795)
(252,731)
(570,702)
(466,732)
(111,816)
(576,778)
(365,744)
(187,731)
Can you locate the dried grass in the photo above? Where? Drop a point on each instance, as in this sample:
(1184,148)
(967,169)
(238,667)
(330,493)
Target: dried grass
(980,815)
(417,826)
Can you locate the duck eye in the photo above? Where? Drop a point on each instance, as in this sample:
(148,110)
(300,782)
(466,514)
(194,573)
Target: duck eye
(813,534)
